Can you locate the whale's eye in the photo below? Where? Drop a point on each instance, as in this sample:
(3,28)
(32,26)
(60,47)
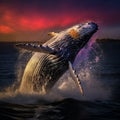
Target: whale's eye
(74,34)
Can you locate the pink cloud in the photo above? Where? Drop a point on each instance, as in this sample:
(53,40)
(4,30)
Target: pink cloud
(13,20)
(5,29)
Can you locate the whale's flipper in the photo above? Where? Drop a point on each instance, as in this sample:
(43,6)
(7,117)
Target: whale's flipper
(75,77)
(36,48)
(52,34)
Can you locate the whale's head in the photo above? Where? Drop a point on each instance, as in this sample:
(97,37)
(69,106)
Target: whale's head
(82,32)
(75,38)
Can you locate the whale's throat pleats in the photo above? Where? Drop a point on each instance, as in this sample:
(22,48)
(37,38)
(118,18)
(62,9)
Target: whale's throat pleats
(42,69)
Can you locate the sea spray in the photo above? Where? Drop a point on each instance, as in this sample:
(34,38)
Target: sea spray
(87,65)
(22,60)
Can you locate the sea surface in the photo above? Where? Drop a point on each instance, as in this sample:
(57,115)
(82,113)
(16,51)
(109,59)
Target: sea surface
(97,65)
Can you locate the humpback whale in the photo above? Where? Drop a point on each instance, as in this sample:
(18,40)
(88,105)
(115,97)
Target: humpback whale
(53,58)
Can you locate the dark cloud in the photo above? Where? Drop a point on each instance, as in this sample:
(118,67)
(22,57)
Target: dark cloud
(52,5)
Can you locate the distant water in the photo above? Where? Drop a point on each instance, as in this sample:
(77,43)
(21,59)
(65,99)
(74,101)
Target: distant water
(98,66)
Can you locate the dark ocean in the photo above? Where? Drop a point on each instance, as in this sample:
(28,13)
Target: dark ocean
(98,66)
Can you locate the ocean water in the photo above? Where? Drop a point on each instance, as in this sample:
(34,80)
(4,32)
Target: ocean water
(97,65)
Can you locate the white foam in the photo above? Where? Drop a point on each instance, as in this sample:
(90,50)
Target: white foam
(65,88)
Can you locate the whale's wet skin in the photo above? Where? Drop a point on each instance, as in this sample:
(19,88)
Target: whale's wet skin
(52,59)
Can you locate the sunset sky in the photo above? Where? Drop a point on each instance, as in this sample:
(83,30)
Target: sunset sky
(31,20)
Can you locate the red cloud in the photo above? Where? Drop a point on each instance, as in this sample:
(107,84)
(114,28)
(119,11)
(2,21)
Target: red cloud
(35,21)
(5,29)
(39,23)
(16,21)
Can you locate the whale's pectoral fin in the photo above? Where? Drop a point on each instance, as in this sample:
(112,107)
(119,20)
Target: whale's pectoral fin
(36,48)
(52,34)
(75,77)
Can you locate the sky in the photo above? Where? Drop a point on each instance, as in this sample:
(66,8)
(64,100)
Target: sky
(31,20)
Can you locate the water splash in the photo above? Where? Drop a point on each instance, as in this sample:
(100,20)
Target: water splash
(87,65)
